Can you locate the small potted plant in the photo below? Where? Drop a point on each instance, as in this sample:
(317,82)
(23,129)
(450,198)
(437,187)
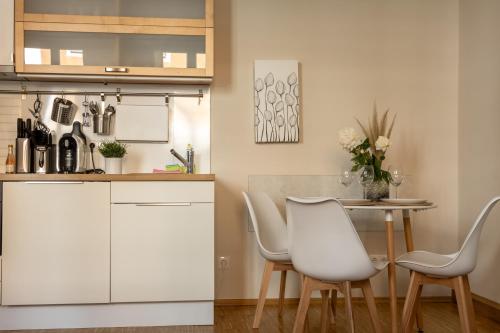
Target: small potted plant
(113,152)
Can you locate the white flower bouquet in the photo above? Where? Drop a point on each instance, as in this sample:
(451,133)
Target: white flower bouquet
(370,149)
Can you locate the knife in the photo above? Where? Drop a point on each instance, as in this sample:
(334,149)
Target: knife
(20,128)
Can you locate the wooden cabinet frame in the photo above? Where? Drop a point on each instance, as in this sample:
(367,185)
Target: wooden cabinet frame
(118,25)
(207,22)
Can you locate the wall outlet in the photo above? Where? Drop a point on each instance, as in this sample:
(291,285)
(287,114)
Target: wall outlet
(224,263)
(378,257)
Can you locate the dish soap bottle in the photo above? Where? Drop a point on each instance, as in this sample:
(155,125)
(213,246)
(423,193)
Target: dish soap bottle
(10,163)
(190,159)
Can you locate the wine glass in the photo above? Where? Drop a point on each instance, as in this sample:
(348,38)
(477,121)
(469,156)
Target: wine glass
(346,177)
(396,178)
(366,177)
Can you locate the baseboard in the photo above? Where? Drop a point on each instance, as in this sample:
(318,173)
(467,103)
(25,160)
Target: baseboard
(106,315)
(486,308)
(274,301)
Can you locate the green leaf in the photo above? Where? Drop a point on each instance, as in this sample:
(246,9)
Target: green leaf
(112,149)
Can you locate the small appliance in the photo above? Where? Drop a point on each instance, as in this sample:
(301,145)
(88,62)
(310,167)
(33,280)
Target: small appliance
(72,151)
(42,159)
(23,148)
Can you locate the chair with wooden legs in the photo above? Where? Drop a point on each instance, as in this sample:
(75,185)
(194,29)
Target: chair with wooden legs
(326,248)
(448,270)
(272,240)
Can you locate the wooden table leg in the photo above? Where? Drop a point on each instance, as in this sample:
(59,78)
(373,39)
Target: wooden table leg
(393,297)
(410,247)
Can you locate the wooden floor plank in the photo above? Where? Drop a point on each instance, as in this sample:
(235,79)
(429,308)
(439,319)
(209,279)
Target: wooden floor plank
(438,317)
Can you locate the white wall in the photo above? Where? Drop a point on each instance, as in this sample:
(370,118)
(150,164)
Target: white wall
(404,54)
(479,134)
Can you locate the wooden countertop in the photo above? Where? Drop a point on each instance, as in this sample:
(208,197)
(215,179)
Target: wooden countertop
(106,178)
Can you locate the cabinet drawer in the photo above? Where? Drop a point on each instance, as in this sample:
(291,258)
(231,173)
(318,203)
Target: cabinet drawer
(168,191)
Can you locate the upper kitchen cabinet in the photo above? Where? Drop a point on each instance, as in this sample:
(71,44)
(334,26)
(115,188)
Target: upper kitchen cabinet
(119,38)
(176,13)
(6,35)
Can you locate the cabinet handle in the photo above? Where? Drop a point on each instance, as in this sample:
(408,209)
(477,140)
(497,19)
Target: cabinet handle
(164,204)
(116,70)
(52,182)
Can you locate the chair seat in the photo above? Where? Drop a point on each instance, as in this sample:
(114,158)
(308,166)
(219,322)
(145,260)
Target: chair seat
(429,263)
(277,256)
(380,264)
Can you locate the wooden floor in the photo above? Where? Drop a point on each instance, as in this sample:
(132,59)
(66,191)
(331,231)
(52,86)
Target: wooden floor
(438,317)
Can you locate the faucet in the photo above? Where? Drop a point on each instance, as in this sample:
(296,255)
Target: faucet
(187,162)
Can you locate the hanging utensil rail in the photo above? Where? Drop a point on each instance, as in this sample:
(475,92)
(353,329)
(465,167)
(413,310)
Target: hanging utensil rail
(118,93)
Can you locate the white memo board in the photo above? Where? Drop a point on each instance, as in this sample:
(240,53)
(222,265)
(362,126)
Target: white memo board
(147,123)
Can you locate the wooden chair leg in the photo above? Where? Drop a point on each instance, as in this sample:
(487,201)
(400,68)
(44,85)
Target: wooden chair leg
(281,300)
(333,306)
(305,299)
(409,309)
(464,303)
(418,315)
(302,279)
(348,306)
(266,277)
(325,310)
(372,308)
(410,248)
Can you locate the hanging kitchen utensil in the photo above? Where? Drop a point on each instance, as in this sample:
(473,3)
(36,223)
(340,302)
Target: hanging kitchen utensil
(104,122)
(110,110)
(103,102)
(37,107)
(63,111)
(94,108)
(94,170)
(86,114)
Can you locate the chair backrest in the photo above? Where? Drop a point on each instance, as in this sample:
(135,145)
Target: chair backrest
(270,228)
(323,241)
(465,261)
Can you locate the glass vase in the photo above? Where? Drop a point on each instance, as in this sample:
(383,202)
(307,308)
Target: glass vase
(377,190)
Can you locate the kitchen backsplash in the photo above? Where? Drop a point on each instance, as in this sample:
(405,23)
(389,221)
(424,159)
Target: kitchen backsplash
(188,121)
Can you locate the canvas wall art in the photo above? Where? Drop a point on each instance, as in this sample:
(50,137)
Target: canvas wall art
(277,101)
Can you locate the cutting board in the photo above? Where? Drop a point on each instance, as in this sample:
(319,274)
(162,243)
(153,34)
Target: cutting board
(141,123)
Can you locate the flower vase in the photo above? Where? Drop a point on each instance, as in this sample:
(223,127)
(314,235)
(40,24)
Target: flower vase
(377,190)
(113,166)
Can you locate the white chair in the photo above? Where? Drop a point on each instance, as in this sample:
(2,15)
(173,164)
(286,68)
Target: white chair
(271,233)
(326,248)
(448,270)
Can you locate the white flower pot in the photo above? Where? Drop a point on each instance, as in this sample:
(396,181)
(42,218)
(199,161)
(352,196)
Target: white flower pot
(113,166)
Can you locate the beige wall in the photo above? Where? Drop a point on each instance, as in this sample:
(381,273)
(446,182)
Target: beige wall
(479,134)
(404,54)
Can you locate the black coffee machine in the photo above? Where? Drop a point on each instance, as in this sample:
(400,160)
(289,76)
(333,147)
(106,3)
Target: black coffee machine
(71,150)
(67,153)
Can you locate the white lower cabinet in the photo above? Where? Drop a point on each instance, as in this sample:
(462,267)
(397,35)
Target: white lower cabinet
(107,242)
(56,243)
(162,251)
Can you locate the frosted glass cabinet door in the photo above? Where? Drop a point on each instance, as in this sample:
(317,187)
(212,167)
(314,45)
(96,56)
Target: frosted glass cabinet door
(162,252)
(193,11)
(6,32)
(114,50)
(56,243)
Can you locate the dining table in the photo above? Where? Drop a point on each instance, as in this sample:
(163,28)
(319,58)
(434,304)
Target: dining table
(390,209)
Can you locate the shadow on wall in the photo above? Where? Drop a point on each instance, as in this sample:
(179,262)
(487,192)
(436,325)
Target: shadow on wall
(222,81)
(223,41)
(235,243)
